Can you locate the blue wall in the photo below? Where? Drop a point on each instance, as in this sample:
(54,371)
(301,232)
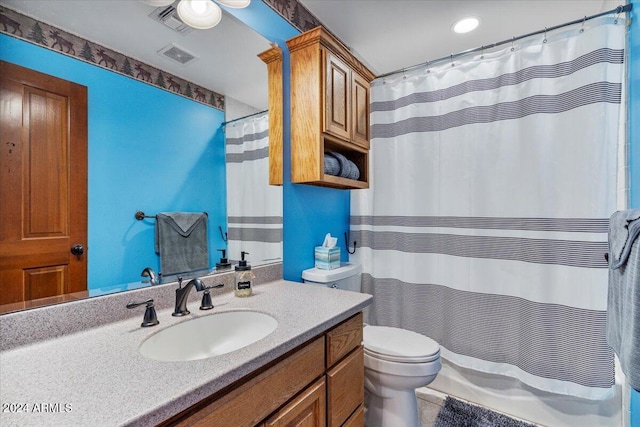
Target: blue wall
(149,150)
(309,212)
(634,139)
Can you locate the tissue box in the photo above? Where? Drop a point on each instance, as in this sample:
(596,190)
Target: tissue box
(327,258)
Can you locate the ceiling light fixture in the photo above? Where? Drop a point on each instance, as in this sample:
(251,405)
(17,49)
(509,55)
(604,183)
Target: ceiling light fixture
(200,14)
(465,25)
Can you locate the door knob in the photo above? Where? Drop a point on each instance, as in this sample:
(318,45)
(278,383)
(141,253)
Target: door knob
(77,250)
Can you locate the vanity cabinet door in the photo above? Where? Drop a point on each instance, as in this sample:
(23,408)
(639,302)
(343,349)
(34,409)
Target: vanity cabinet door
(345,388)
(307,410)
(356,419)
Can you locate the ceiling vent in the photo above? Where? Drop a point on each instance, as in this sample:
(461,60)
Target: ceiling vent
(168,16)
(173,52)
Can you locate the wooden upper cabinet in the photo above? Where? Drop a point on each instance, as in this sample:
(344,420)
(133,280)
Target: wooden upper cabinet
(329,109)
(360,109)
(273,58)
(338,97)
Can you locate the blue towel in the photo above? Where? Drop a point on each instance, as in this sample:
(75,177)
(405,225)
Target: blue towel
(623,304)
(181,241)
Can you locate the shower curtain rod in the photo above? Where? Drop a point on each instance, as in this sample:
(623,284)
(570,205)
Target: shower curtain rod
(617,10)
(241,118)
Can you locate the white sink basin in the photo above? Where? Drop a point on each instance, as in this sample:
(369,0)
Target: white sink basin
(208,336)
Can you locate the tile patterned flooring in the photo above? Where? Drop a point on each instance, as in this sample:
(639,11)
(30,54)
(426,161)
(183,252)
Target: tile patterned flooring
(428,407)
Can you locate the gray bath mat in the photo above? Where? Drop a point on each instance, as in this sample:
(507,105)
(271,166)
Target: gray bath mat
(455,413)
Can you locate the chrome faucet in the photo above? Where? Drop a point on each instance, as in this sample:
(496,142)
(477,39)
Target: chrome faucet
(148,272)
(182,294)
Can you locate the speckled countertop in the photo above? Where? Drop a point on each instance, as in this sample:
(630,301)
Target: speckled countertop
(96,377)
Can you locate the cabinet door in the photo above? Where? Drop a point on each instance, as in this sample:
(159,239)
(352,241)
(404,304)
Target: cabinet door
(356,419)
(337,112)
(307,410)
(360,108)
(345,387)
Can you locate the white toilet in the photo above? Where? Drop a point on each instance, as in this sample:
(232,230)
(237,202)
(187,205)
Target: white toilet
(396,361)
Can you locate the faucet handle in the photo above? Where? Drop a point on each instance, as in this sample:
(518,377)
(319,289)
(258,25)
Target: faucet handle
(207,304)
(150,317)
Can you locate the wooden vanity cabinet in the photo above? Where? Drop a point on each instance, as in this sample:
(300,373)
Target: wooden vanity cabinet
(319,384)
(329,109)
(308,409)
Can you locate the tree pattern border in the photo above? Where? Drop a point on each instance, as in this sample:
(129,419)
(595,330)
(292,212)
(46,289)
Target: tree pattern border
(295,13)
(37,32)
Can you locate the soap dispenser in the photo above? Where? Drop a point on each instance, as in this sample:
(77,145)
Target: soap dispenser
(243,277)
(224,263)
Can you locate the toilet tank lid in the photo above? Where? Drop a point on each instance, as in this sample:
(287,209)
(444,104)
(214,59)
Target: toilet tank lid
(326,276)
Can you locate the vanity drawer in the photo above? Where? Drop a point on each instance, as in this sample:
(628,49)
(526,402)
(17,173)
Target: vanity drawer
(344,338)
(345,387)
(258,397)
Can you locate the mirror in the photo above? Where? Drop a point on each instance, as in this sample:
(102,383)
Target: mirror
(149,148)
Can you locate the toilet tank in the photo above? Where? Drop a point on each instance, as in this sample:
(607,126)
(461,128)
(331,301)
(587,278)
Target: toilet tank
(346,277)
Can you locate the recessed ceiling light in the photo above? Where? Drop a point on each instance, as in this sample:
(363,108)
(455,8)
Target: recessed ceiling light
(465,25)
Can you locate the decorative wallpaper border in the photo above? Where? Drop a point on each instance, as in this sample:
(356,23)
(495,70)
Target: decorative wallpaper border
(295,13)
(23,27)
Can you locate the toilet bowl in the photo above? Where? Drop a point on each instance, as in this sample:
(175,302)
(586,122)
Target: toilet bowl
(396,361)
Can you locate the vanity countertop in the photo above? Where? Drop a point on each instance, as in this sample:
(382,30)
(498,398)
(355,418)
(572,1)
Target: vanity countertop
(96,377)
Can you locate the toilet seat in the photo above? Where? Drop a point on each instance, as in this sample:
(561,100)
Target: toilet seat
(399,345)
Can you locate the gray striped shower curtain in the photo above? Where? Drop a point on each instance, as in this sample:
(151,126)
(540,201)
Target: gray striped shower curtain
(254,208)
(485,225)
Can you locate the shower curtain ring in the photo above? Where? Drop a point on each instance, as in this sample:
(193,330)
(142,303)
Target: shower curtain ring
(482,52)
(451,57)
(428,70)
(512,39)
(545,35)
(583,21)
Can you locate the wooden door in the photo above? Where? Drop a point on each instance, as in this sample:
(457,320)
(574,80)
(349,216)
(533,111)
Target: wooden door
(337,98)
(306,410)
(43,186)
(360,107)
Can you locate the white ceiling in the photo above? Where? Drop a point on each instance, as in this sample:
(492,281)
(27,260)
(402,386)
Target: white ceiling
(385,34)
(393,34)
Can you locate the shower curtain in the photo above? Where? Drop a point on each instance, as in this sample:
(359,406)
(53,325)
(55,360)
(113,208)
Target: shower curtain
(254,208)
(485,225)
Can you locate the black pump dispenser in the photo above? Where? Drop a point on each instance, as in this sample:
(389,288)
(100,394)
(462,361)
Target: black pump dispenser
(224,262)
(244,275)
(242,264)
